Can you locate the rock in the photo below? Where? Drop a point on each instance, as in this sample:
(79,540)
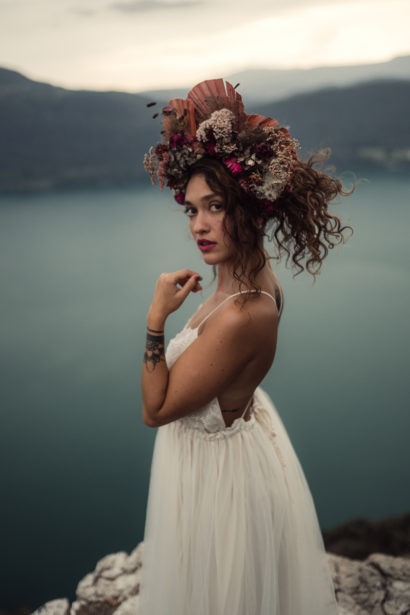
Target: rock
(116,578)
(129,607)
(54,607)
(107,606)
(343,611)
(379,585)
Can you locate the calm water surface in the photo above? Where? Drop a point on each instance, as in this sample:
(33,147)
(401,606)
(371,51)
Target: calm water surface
(77,274)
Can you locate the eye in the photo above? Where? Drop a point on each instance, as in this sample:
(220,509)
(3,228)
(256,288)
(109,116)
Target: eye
(189,211)
(217,205)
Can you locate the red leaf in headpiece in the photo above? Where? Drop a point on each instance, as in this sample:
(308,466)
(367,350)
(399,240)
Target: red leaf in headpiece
(213,95)
(261,121)
(183,108)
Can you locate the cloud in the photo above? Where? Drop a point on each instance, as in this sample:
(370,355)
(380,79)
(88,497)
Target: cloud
(142,6)
(83,12)
(130,45)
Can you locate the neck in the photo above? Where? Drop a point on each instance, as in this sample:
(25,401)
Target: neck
(227,284)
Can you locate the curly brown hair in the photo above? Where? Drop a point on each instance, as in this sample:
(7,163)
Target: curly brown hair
(300,224)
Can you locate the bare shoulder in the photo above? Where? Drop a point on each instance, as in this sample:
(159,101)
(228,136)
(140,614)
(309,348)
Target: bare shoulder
(253,319)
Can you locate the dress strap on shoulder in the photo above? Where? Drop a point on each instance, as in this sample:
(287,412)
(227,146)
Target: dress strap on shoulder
(218,306)
(247,406)
(229,297)
(264,292)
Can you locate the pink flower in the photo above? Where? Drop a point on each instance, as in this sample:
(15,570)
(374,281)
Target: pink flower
(211,149)
(233,166)
(268,205)
(179,140)
(176,141)
(179,197)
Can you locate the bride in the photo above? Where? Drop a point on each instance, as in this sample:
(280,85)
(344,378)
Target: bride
(231,527)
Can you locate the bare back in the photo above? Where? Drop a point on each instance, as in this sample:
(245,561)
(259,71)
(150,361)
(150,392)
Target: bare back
(235,401)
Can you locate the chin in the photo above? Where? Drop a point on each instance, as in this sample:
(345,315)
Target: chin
(214,259)
(210,259)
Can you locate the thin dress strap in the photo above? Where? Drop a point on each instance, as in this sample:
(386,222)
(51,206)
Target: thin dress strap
(247,406)
(230,296)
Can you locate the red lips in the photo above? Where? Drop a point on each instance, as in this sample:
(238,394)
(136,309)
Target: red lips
(205,246)
(205,242)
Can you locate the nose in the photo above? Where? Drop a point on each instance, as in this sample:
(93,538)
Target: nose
(200,223)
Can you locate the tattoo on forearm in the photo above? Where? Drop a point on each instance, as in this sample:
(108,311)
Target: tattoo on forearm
(154,351)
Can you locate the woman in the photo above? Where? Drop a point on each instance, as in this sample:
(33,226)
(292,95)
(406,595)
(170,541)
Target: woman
(231,527)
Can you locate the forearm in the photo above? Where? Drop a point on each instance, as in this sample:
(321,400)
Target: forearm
(170,291)
(155,373)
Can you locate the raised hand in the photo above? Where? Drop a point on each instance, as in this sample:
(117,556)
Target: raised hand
(171,290)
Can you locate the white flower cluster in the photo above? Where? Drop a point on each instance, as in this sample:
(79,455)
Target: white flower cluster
(280,166)
(151,164)
(261,160)
(221,123)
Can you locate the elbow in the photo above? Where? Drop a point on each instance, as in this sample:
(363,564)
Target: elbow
(149,420)
(150,423)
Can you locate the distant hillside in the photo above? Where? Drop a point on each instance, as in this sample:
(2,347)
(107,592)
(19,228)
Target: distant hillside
(268,85)
(51,136)
(54,137)
(365,125)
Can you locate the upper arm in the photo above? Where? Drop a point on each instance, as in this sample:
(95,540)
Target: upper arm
(215,359)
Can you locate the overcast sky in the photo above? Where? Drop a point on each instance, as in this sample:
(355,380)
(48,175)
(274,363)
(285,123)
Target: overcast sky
(139,44)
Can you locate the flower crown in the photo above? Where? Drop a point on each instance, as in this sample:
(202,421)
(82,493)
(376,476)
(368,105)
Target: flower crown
(211,122)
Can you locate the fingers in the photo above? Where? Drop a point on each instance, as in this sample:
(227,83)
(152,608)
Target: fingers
(182,275)
(183,282)
(192,285)
(198,286)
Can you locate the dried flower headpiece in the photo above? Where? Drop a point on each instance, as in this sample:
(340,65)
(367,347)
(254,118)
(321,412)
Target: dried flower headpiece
(259,154)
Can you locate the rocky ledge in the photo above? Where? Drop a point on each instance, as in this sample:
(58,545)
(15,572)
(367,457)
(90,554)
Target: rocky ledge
(378,585)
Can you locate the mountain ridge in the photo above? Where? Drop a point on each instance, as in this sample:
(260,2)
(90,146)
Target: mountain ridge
(53,137)
(264,84)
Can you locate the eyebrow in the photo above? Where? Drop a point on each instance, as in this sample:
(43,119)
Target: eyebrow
(207,197)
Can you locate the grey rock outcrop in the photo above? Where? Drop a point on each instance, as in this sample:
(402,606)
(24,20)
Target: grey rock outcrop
(379,585)
(55,607)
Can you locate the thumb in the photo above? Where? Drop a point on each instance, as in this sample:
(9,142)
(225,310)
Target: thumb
(189,286)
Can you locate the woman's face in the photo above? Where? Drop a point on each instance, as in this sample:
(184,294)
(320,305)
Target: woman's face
(205,209)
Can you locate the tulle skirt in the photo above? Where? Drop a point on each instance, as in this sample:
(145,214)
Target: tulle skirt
(231,527)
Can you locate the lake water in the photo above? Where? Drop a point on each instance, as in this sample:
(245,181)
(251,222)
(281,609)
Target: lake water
(77,274)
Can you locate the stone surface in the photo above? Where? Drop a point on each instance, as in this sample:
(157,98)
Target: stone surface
(379,585)
(129,607)
(55,607)
(115,580)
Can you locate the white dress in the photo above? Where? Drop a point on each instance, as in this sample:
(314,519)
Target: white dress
(231,527)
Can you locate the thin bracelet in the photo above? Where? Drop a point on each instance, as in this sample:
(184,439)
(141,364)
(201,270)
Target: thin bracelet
(154,330)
